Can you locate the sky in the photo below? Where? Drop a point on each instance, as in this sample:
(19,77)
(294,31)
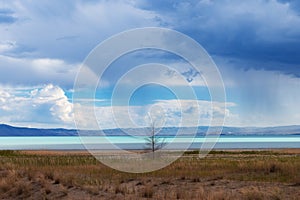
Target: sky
(254,43)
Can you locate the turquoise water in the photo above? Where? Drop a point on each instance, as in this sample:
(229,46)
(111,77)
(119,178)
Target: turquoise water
(127,142)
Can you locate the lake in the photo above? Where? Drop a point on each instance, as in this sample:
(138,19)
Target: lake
(127,142)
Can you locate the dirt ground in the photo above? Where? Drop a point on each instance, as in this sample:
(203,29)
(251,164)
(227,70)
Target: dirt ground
(157,188)
(21,183)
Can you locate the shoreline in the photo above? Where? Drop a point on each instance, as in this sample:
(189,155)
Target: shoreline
(86,152)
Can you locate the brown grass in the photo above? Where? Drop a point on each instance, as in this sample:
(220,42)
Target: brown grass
(221,175)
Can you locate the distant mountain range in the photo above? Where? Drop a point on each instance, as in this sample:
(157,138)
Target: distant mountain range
(6,130)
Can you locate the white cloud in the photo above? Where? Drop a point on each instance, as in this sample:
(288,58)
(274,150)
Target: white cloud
(50,38)
(173,74)
(26,71)
(264,98)
(6,46)
(168,113)
(70,29)
(47,106)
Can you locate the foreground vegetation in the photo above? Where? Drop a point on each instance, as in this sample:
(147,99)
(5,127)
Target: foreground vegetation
(221,175)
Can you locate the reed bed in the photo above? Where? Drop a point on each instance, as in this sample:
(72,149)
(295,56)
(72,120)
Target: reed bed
(249,175)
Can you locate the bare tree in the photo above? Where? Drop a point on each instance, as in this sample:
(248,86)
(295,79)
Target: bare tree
(153,142)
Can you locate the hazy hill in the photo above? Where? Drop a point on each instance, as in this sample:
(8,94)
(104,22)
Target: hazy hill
(6,130)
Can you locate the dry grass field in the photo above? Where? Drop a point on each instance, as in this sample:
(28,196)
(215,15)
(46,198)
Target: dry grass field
(221,175)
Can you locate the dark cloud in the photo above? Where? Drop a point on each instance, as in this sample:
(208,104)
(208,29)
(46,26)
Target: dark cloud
(190,74)
(69,37)
(261,31)
(6,16)
(264,31)
(293,4)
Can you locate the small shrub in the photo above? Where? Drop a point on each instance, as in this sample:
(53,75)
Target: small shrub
(148,192)
(196,180)
(9,153)
(47,191)
(273,168)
